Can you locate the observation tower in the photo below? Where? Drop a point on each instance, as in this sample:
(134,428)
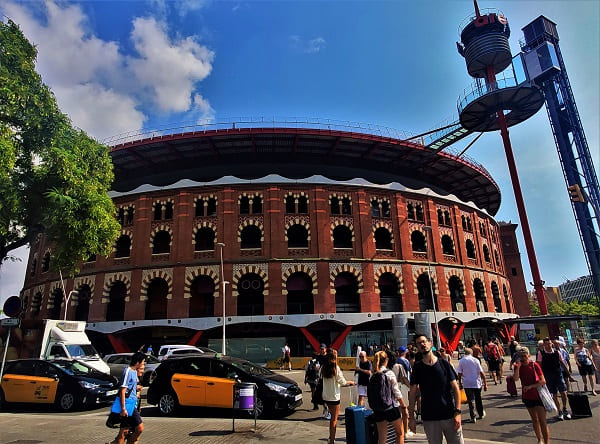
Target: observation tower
(497,103)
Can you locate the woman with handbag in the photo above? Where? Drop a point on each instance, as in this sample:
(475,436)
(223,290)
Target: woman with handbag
(531,376)
(333,379)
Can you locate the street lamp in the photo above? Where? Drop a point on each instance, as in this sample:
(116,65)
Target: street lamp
(71,293)
(427,229)
(221,245)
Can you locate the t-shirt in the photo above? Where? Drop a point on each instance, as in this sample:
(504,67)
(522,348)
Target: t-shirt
(530,374)
(363,378)
(550,362)
(437,400)
(129,380)
(470,369)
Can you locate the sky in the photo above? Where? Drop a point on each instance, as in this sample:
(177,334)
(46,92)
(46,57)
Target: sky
(119,66)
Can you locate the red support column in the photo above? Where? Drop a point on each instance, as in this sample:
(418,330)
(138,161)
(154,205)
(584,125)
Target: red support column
(195,338)
(337,343)
(118,344)
(310,338)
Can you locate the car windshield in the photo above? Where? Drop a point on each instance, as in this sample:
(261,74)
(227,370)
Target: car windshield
(252,369)
(81,350)
(74,367)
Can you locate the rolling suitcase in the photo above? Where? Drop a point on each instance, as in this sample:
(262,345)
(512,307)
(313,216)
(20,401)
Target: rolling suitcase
(511,386)
(579,402)
(356,424)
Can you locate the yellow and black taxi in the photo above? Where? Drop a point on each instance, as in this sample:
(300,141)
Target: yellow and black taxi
(67,384)
(207,381)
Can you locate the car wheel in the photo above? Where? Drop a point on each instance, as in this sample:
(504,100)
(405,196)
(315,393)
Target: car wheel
(262,409)
(66,402)
(167,404)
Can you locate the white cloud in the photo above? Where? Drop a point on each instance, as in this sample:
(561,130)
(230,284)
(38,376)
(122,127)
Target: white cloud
(311,46)
(103,90)
(207,113)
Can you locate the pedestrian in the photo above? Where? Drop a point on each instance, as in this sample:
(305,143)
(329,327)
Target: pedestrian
(472,378)
(140,374)
(363,371)
(402,370)
(553,365)
(560,345)
(285,360)
(460,350)
(500,359)
(440,396)
(583,359)
(595,352)
(493,360)
(385,398)
(130,418)
(477,351)
(512,346)
(333,379)
(321,359)
(311,377)
(149,351)
(442,354)
(531,376)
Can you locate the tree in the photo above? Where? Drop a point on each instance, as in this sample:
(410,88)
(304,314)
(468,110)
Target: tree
(573,308)
(54,178)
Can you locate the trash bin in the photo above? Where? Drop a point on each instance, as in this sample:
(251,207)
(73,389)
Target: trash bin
(243,396)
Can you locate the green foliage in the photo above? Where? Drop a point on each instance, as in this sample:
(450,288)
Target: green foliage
(572,308)
(54,178)
(534,308)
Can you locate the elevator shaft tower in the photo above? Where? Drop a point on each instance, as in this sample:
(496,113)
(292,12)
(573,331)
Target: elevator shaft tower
(546,68)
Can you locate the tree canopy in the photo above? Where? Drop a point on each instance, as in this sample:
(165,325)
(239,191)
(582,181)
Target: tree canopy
(567,308)
(54,178)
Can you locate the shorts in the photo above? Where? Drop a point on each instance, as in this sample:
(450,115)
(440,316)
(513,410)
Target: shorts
(556,384)
(362,390)
(332,402)
(586,370)
(286,359)
(389,415)
(494,365)
(530,403)
(132,421)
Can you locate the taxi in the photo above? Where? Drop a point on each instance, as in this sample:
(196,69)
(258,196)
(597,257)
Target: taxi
(66,384)
(207,381)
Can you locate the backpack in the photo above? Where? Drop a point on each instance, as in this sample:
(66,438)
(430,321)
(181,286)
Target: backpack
(379,392)
(493,352)
(311,371)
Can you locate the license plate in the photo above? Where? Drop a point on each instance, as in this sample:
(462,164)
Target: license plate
(112,392)
(298,397)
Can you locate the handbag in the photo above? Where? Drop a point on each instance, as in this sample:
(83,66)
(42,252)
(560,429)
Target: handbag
(546,398)
(463,396)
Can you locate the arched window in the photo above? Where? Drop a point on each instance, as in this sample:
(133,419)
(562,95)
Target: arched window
(251,300)
(33,267)
(211,207)
(347,298)
(346,205)
(244,205)
(410,210)
(169,210)
(447,219)
(342,237)
(115,310)
(161,243)
(420,215)
(123,246)
(389,293)
(158,210)
(290,204)
(496,297)
(457,293)
(156,305)
(447,245)
(251,204)
(496,258)
(334,205)
(82,309)
(299,294)
(297,236)
(425,286)
(375,210)
(506,299)
(479,291)
(383,239)
(204,239)
(251,237)
(486,254)
(121,216)
(440,215)
(417,241)
(470,249)
(36,303)
(46,262)
(57,298)
(302,205)
(202,301)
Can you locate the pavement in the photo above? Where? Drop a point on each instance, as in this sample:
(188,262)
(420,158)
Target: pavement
(507,421)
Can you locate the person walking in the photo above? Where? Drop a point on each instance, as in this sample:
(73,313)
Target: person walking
(311,377)
(363,371)
(531,376)
(440,396)
(472,378)
(321,358)
(553,365)
(560,345)
(286,359)
(477,351)
(333,379)
(402,370)
(128,390)
(384,398)
(583,359)
(595,352)
(493,360)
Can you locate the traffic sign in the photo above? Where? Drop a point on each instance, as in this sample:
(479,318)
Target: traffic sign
(12,306)
(9,322)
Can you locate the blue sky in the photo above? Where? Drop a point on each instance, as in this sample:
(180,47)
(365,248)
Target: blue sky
(118,66)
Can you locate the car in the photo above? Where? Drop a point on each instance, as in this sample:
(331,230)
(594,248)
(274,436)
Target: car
(66,383)
(119,361)
(167,350)
(207,350)
(208,380)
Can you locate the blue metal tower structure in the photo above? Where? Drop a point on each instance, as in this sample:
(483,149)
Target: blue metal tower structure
(546,68)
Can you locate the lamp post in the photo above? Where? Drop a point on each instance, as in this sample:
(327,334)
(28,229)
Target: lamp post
(427,229)
(71,293)
(221,245)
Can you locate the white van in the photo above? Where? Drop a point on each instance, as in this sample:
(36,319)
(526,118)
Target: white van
(177,349)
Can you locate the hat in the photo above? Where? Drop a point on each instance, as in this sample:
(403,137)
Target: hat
(402,349)
(323,346)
